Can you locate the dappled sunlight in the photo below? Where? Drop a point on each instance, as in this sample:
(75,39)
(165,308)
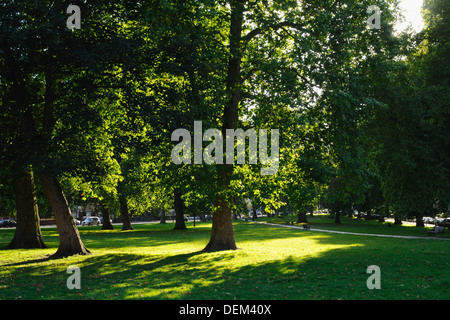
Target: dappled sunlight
(270,242)
(300,248)
(156,262)
(178,276)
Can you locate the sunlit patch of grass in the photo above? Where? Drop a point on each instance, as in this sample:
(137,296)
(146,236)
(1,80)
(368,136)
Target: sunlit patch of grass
(156,262)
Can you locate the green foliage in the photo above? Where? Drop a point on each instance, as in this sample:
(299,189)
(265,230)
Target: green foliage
(361,112)
(407,129)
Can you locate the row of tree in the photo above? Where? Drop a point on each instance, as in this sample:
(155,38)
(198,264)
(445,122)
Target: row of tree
(362,113)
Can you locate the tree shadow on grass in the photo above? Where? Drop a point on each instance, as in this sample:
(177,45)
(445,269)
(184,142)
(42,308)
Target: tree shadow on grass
(193,275)
(156,235)
(153,236)
(334,269)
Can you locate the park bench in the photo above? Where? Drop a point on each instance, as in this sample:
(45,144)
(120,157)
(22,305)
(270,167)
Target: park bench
(436,230)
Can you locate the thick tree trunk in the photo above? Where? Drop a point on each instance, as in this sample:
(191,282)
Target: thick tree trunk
(419,220)
(337,218)
(125,214)
(69,238)
(28,232)
(179,210)
(302,217)
(222,233)
(106,219)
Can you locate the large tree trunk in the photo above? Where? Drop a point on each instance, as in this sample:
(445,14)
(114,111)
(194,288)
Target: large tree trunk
(106,219)
(125,214)
(179,210)
(28,232)
(302,217)
(69,238)
(222,234)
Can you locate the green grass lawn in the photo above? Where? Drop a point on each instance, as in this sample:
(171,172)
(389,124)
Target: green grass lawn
(156,262)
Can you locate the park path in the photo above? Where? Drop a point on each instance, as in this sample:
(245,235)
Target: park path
(354,233)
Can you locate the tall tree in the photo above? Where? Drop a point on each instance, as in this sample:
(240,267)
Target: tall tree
(298,47)
(46,65)
(409,123)
(16,169)
(222,233)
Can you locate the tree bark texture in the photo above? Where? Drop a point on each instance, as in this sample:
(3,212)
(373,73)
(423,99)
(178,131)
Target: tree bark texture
(106,219)
(222,233)
(125,214)
(69,238)
(28,231)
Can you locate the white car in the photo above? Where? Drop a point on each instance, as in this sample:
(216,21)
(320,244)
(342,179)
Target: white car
(91,221)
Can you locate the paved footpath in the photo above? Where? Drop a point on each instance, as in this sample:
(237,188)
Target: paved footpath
(354,233)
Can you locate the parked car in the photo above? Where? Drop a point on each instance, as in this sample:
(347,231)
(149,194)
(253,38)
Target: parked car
(77,222)
(5,223)
(91,221)
(429,220)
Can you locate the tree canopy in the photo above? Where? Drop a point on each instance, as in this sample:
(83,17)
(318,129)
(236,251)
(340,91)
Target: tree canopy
(356,117)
